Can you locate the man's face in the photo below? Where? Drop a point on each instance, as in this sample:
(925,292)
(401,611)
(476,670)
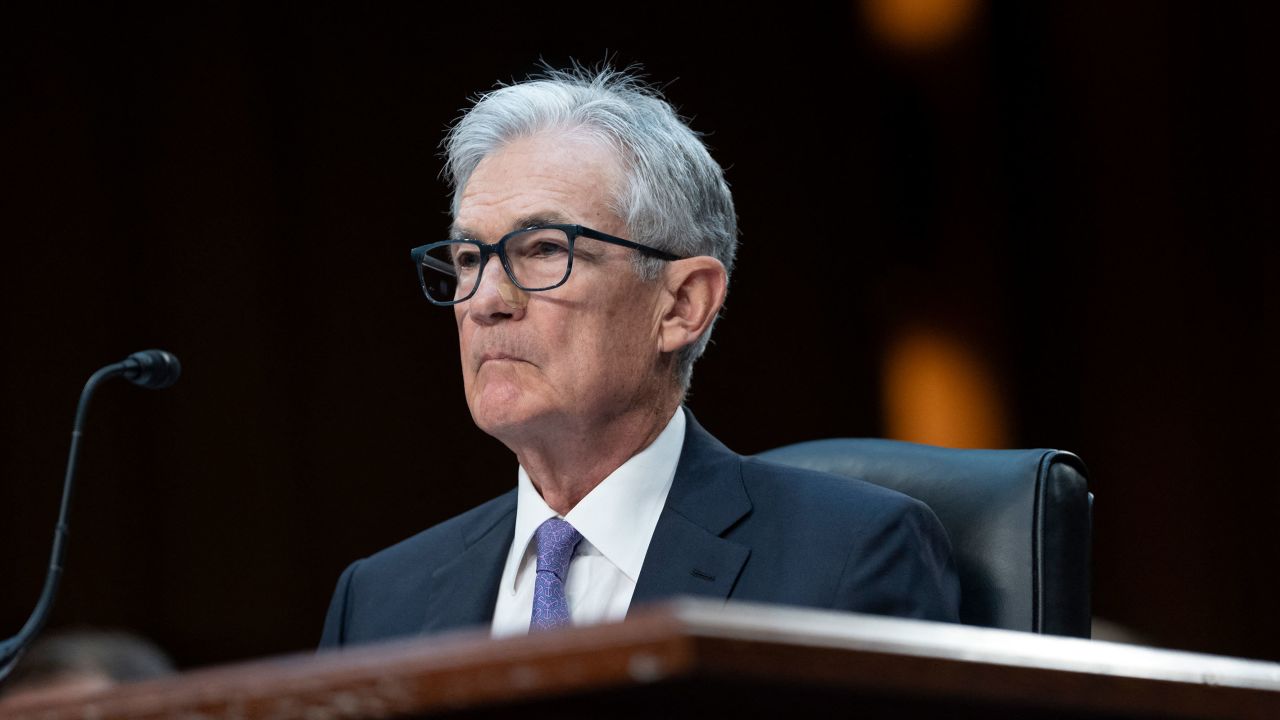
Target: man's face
(560,361)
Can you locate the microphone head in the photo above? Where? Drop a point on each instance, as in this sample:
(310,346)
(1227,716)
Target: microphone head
(154,369)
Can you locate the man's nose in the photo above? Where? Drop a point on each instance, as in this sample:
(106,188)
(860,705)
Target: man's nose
(497,298)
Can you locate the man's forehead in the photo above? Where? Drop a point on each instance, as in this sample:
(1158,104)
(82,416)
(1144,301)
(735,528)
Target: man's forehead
(554,177)
(458,231)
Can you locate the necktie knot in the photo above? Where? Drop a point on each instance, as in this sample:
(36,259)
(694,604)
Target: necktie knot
(556,541)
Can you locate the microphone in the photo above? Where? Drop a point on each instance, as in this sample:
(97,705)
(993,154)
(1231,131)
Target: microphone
(154,369)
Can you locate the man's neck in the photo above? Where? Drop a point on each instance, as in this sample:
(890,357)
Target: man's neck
(570,465)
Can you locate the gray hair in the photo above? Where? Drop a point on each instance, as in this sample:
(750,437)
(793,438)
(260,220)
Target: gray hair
(674,195)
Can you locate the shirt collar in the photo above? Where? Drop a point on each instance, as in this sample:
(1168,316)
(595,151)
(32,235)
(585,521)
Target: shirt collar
(619,515)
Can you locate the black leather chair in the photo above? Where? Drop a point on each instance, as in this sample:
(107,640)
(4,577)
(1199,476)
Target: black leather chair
(1020,522)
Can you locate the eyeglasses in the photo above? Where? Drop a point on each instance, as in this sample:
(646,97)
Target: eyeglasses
(535,258)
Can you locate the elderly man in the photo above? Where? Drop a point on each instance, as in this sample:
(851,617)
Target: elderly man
(590,252)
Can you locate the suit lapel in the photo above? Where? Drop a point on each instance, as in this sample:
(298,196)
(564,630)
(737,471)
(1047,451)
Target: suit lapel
(687,555)
(465,590)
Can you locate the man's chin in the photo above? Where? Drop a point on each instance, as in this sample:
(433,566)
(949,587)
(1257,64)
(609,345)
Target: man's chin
(502,415)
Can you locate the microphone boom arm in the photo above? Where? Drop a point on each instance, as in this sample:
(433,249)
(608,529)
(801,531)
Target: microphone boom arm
(137,368)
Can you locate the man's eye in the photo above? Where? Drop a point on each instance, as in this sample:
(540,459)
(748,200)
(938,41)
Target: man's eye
(547,249)
(466,260)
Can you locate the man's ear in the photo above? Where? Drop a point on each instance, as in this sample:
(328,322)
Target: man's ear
(696,288)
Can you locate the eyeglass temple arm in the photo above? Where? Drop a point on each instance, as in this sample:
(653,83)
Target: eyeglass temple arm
(651,251)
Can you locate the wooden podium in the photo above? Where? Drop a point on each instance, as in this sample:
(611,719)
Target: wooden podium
(693,659)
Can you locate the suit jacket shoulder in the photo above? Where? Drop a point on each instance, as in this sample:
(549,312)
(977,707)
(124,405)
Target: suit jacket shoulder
(865,547)
(739,528)
(411,587)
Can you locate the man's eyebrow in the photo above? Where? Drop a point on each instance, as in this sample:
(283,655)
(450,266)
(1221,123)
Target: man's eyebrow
(552,218)
(461,232)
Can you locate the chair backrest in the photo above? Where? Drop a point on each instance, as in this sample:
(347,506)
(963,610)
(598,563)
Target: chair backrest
(1020,522)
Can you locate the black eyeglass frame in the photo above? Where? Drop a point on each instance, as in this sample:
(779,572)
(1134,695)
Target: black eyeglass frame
(573,232)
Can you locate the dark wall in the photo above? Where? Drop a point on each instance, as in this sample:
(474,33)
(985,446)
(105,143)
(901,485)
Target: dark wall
(1081,190)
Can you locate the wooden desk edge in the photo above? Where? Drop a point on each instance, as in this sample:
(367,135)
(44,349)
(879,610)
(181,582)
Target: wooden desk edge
(689,638)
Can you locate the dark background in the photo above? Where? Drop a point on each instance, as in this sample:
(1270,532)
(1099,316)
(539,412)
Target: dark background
(1083,196)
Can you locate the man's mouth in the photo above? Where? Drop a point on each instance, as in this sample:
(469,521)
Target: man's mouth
(499,357)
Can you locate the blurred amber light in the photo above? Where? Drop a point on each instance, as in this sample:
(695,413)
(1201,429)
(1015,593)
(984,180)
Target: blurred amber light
(941,391)
(918,24)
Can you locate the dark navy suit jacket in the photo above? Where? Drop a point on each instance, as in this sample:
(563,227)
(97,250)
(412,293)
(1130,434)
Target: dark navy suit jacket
(733,528)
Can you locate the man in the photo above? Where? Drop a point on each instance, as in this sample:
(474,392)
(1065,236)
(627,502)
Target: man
(591,247)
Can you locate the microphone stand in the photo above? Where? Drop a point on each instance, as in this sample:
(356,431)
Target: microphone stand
(137,369)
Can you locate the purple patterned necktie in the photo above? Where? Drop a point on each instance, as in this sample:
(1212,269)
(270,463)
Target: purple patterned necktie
(556,542)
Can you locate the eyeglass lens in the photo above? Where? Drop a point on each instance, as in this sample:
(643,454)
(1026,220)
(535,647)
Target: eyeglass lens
(538,259)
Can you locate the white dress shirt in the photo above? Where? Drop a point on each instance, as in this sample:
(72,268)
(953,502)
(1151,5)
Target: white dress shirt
(616,519)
